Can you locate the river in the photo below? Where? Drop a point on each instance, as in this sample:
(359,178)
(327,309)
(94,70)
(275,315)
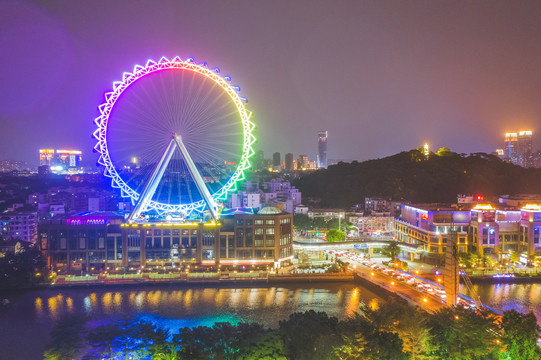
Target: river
(524,297)
(26,320)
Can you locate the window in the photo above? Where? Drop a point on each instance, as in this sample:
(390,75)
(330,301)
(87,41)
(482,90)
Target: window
(285,239)
(248,222)
(258,222)
(269,231)
(157,232)
(485,236)
(258,232)
(240,222)
(240,237)
(249,238)
(536,235)
(208,239)
(223,246)
(82,243)
(285,252)
(269,222)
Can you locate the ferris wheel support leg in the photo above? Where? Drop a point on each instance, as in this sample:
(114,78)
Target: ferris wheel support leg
(203,190)
(152,183)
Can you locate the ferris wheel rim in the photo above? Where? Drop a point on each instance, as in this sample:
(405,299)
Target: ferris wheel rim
(189,64)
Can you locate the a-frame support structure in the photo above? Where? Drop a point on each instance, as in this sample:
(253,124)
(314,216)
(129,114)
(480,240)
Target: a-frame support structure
(152,183)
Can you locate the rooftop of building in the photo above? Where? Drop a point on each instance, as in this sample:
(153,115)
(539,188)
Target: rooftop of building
(435,207)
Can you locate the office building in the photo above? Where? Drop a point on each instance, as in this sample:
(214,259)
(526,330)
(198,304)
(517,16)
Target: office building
(302,162)
(289,162)
(322,149)
(483,229)
(429,226)
(518,148)
(94,242)
(60,160)
(276,159)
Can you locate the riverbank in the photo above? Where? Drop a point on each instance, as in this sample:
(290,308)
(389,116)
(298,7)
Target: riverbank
(202,279)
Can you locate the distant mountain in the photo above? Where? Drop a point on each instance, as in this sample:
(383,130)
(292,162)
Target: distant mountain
(412,176)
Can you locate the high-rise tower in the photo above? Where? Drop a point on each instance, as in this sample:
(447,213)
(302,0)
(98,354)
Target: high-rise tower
(289,162)
(322,149)
(524,148)
(518,148)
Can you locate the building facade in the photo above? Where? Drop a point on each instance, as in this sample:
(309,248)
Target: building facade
(95,242)
(483,229)
(322,149)
(19,226)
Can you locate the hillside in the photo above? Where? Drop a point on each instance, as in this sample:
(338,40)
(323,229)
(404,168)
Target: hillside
(410,176)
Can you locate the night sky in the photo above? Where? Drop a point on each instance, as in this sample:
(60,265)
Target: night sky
(380,76)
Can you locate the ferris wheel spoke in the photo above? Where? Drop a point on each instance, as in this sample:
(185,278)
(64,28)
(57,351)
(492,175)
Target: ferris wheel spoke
(182,99)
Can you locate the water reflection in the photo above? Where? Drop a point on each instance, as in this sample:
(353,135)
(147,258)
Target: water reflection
(502,297)
(254,303)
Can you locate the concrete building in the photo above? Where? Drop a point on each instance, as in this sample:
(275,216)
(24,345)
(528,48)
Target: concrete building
(289,162)
(518,148)
(302,162)
(322,149)
(482,229)
(382,206)
(94,242)
(429,225)
(19,226)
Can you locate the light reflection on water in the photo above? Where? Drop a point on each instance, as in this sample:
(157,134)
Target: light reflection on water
(31,314)
(502,297)
(341,302)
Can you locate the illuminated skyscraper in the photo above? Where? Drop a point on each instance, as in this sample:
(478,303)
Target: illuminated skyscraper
(302,162)
(510,146)
(60,160)
(322,149)
(524,148)
(518,148)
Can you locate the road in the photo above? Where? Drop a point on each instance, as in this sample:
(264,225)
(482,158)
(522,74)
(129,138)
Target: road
(428,302)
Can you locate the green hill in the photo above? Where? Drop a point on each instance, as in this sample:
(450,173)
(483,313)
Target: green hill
(411,176)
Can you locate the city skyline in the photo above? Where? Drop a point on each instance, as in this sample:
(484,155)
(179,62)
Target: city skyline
(381,99)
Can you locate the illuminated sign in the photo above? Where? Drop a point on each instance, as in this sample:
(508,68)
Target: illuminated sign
(424,216)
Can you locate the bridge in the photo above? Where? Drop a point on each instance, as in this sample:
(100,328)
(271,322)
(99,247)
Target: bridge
(320,245)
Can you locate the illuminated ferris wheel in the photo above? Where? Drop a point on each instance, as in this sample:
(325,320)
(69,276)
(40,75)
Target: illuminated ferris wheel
(175,137)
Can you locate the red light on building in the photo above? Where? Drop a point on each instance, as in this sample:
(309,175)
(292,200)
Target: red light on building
(480,197)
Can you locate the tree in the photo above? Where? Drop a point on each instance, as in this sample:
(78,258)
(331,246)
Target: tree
(463,334)
(369,336)
(67,338)
(335,235)
(222,341)
(444,151)
(520,335)
(353,348)
(269,347)
(23,268)
(392,250)
(319,223)
(302,222)
(309,335)
(102,339)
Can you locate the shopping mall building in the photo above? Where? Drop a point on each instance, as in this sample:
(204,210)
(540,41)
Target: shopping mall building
(97,241)
(482,228)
